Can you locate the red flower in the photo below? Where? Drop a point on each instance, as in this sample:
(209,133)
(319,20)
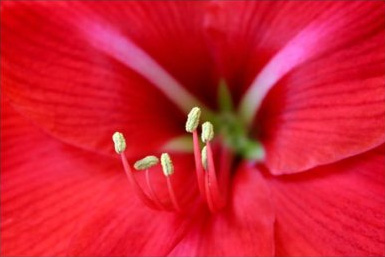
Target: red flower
(307,81)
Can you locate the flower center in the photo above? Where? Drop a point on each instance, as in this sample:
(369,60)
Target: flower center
(213,174)
(232,130)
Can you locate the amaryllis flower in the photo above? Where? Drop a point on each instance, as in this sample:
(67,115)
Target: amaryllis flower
(294,95)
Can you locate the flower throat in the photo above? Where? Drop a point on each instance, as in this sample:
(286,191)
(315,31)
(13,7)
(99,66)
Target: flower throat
(213,178)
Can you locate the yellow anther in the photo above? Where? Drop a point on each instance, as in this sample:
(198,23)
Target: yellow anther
(207,132)
(167,166)
(146,162)
(204,157)
(119,142)
(193,119)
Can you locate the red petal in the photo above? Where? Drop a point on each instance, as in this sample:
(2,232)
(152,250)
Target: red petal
(330,107)
(327,110)
(244,228)
(55,75)
(46,188)
(335,210)
(124,227)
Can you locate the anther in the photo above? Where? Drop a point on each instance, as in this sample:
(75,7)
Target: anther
(146,163)
(167,166)
(119,142)
(207,132)
(193,119)
(204,157)
(168,170)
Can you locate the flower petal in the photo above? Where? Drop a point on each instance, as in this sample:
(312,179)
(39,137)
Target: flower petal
(46,188)
(244,228)
(326,110)
(335,210)
(79,90)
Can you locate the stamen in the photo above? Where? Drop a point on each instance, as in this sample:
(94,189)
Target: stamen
(204,157)
(172,195)
(168,170)
(152,192)
(119,142)
(207,132)
(146,200)
(193,119)
(208,194)
(226,158)
(146,163)
(212,189)
(198,165)
(216,196)
(212,182)
(120,146)
(191,126)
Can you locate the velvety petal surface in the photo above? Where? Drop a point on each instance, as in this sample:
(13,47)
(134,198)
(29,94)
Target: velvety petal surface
(46,188)
(335,210)
(243,228)
(65,66)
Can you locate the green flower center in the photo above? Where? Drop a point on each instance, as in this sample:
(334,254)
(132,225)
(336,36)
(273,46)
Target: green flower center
(232,130)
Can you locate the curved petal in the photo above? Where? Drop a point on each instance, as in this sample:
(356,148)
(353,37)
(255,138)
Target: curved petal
(244,228)
(60,69)
(327,110)
(335,210)
(46,188)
